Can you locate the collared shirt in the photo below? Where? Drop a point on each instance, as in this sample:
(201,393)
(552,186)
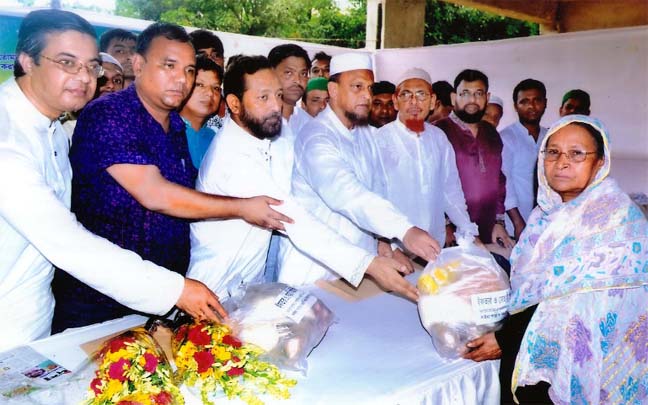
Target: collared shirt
(519,159)
(117,129)
(198,142)
(298,119)
(479,162)
(226,253)
(420,178)
(333,178)
(37,230)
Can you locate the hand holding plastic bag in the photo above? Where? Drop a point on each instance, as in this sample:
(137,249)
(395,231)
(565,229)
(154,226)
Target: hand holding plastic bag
(463,295)
(286,322)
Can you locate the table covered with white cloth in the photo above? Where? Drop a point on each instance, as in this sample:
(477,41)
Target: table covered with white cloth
(376,353)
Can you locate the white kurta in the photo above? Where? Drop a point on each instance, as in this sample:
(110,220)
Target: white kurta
(298,119)
(333,178)
(420,177)
(225,253)
(519,159)
(37,230)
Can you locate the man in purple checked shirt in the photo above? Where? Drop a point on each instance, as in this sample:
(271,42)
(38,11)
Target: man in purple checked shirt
(478,150)
(133,178)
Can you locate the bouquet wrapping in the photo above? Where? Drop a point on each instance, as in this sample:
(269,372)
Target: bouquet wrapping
(464,294)
(133,370)
(286,322)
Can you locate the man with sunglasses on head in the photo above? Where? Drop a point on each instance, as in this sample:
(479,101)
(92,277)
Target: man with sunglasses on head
(56,70)
(417,163)
(478,152)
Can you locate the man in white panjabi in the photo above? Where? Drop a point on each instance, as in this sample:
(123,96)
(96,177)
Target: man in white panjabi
(417,162)
(248,157)
(56,70)
(333,176)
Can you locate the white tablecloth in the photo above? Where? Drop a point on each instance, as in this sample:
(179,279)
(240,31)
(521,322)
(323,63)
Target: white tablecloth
(377,353)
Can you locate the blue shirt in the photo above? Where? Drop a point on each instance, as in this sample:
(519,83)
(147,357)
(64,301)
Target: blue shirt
(198,142)
(117,129)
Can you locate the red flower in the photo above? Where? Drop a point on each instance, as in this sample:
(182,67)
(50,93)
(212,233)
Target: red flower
(94,385)
(235,371)
(119,343)
(232,341)
(204,359)
(117,370)
(181,333)
(235,359)
(163,398)
(198,336)
(151,362)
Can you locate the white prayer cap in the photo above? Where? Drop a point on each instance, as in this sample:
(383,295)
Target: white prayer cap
(414,73)
(106,57)
(345,62)
(496,100)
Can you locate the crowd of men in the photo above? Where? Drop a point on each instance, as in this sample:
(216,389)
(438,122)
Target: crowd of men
(279,167)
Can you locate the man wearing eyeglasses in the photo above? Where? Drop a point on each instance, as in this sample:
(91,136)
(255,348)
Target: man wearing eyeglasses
(56,70)
(417,163)
(133,176)
(334,178)
(478,152)
(522,141)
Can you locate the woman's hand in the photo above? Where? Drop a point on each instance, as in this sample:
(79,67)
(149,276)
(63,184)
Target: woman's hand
(483,348)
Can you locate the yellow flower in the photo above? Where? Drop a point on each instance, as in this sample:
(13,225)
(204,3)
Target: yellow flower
(427,284)
(222,354)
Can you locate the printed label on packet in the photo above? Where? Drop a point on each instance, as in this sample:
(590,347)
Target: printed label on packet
(294,303)
(490,307)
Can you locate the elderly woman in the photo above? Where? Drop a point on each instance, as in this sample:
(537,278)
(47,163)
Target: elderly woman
(582,261)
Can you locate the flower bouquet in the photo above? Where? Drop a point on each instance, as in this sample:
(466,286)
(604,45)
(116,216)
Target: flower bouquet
(209,359)
(133,370)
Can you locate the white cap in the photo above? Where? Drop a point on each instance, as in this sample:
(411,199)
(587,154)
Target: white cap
(496,100)
(414,73)
(345,62)
(106,57)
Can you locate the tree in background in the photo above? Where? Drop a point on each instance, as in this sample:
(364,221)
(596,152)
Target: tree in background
(321,21)
(446,23)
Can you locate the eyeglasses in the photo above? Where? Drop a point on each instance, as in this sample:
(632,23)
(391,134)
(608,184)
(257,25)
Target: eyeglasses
(73,66)
(469,94)
(407,95)
(576,156)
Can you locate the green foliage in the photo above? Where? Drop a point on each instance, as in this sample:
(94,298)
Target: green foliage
(321,21)
(446,23)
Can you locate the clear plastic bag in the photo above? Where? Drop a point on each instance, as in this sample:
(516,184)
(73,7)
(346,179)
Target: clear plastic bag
(286,322)
(464,294)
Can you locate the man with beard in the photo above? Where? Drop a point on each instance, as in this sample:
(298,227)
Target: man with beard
(133,177)
(382,104)
(120,44)
(201,104)
(56,70)
(522,142)
(417,163)
(291,65)
(478,151)
(334,176)
(247,158)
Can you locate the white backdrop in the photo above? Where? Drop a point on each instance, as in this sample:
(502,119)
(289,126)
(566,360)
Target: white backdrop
(611,65)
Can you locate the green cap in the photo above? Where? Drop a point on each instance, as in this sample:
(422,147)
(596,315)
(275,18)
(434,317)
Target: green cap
(317,83)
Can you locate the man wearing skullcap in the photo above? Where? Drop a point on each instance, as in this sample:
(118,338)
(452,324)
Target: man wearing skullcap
(382,105)
(316,96)
(417,162)
(334,175)
(494,111)
(575,101)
